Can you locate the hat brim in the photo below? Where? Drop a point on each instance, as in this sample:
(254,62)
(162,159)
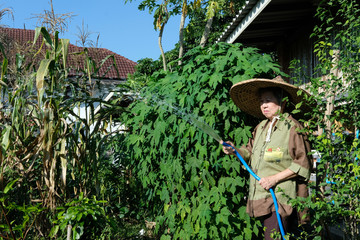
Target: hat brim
(245,95)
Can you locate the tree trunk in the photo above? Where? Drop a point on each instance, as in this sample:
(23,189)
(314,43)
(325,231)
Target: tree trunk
(206,33)
(161,48)
(181,32)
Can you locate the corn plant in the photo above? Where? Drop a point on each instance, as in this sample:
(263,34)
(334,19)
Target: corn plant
(45,143)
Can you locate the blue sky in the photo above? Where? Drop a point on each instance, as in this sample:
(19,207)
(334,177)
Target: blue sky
(123,28)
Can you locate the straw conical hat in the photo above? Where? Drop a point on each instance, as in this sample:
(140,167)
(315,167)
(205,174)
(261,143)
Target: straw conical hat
(245,94)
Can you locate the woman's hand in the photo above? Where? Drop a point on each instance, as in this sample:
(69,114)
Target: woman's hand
(271,181)
(228,150)
(268,182)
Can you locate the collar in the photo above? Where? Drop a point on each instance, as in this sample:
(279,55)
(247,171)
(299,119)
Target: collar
(270,129)
(275,125)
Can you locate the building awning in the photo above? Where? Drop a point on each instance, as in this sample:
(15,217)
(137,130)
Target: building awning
(262,23)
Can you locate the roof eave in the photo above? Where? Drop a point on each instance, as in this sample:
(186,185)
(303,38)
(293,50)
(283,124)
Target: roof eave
(246,16)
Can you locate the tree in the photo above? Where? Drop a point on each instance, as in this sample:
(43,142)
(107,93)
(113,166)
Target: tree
(190,34)
(181,30)
(162,12)
(214,7)
(162,15)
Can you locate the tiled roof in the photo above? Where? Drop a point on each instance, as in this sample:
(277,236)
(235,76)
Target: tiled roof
(76,62)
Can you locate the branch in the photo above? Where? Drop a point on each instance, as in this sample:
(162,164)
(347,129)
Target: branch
(7,221)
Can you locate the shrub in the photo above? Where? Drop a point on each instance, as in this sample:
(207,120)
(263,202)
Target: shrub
(193,190)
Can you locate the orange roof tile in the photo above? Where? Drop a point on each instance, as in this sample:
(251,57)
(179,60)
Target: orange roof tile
(107,71)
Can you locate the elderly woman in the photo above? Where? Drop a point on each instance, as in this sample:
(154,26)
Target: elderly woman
(277,151)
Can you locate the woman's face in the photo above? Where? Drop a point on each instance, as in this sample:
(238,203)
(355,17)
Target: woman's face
(269,105)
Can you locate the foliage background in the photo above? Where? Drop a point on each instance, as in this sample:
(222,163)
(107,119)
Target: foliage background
(193,190)
(334,125)
(59,174)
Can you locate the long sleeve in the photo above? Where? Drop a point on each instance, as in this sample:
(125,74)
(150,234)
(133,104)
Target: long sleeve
(299,147)
(246,150)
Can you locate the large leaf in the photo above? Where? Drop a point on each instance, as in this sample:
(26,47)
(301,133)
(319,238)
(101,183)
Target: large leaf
(65,47)
(41,73)
(6,137)
(9,186)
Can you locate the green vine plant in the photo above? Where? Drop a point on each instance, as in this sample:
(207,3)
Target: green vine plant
(75,217)
(334,203)
(19,227)
(193,191)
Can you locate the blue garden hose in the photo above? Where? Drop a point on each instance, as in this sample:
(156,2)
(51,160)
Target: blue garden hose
(357,137)
(258,179)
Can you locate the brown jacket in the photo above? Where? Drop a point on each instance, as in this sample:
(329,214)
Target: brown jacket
(287,148)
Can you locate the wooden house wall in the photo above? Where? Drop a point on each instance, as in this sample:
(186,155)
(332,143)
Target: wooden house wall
(297,47)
